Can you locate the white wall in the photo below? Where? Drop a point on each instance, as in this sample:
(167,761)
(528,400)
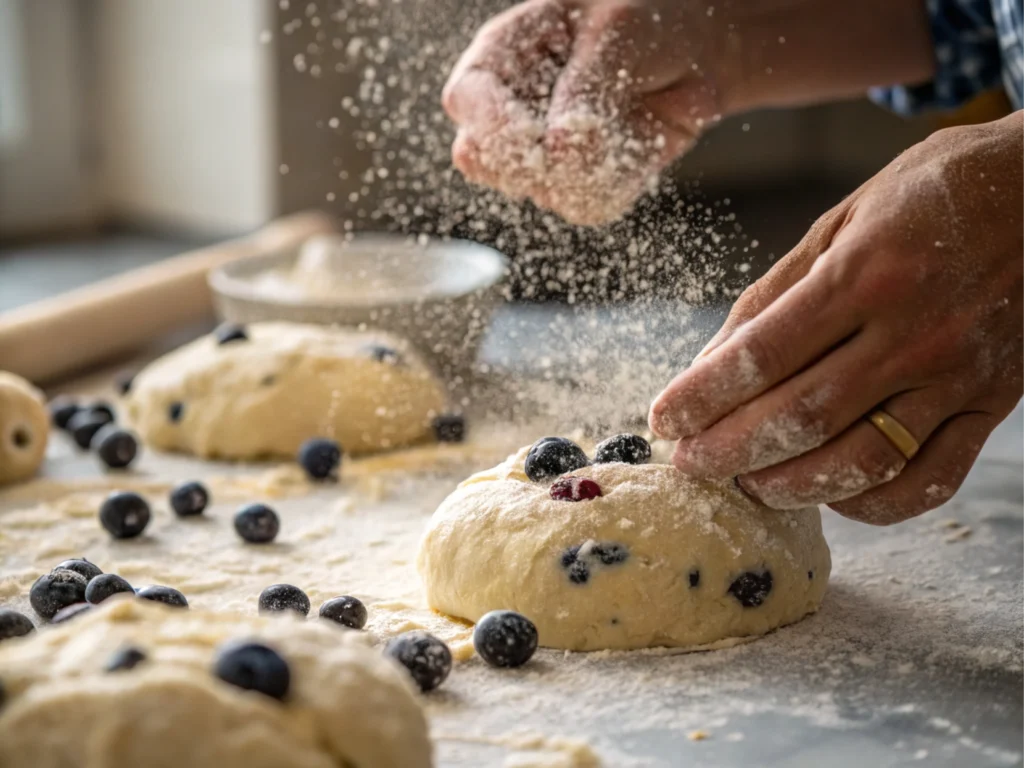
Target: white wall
(46,179)
(185,112)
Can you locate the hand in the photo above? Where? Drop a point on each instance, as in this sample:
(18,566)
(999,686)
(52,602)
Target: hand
(578,104)
(906,297)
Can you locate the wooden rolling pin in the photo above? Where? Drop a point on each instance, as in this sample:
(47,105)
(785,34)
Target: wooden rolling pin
(63,334)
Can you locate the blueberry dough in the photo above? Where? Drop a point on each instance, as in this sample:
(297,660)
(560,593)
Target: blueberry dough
(24,428)
(70,698)
(658,559)
(281,384)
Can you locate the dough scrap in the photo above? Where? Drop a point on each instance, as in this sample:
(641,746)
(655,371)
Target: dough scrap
(24,428)
(347,705)
(659,560)
(289,382)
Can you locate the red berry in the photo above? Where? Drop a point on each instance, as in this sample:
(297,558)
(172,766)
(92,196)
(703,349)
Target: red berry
(575,489)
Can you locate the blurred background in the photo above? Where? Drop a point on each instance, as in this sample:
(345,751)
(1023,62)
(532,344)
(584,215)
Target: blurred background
(131,130)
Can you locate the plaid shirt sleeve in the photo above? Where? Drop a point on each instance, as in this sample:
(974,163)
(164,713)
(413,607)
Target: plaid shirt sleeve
(977,47)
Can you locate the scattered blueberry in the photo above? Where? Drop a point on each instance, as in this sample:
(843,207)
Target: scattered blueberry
(106,585)
(751,589)
(345,610)
(450,428)
(505,639)
(124,659)
(694,578)
(225,333)
(382,354)
(283,597)
(166,595)
(257,523)
(80,566)
(101,408)
(69,612)
(124,514)
(321,458)
(62,408)
(625,448)
(14,624)
(175,411)
(84,425)
(116,447)
(189,499)
(810,575)
(610,554)
(428,659)
(55,590)
(576,568)
(575,489)
(253,667)
(123,382)
(553,456)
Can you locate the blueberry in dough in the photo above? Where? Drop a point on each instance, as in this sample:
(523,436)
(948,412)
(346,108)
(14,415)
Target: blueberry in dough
(694,578)
(426,658)
(505,638)
(166,595)
(625,448)
(175,411)
(226,333)
(283,597)
(382,354)
(751,589)
(55,590)
(610,554)
(124,659)
(254,667)
(553,456)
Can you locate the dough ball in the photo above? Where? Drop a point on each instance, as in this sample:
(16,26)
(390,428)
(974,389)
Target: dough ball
(346,705)
(24,428)
(658,560)
(266,394)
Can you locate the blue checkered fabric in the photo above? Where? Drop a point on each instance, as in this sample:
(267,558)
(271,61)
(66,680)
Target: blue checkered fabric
(978,47)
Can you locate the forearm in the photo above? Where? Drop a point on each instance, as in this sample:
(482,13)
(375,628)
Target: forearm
(788,52)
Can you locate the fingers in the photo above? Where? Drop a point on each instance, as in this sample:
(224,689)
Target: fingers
(859,459)
(794,331)
(793,418)
(930,479)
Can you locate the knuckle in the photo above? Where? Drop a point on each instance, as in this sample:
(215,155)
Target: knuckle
(878,460)
(757,357)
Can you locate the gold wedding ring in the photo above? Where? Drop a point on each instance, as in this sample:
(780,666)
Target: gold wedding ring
(895,433)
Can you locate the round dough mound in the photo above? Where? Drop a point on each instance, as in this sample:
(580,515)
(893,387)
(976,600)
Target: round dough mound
(24,428)
(659,560)
(346,705)
(285,384)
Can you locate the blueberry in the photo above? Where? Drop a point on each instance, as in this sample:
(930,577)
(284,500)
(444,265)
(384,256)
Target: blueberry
(428,659)
(505,639)
(225,333)
(348,611)
(253,667)
(625,448)
(553,456)
(175,411)
(123,382)
(450,428)
(166,595)
(610,554)
(382,354)
(69,612)
(751,588)
(62,408)
(257,523)
(283,597)
(694,578)
(55,590)
(124,514)
(579,573)
(84,425)
(189,499)
(116,447)
(810,575)
(80,566)
(321,458)
(106,585)
(124,659)
(101,408)
(570,555)
(14,624)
